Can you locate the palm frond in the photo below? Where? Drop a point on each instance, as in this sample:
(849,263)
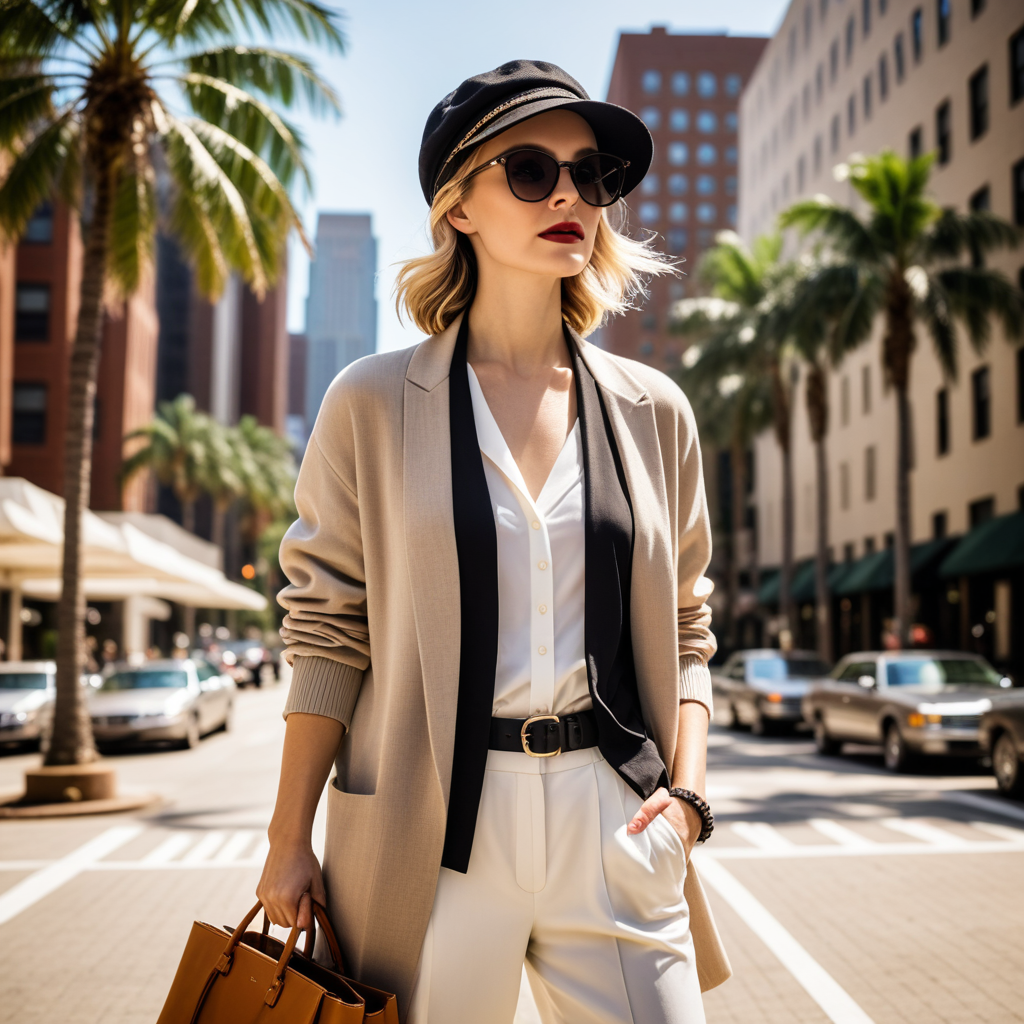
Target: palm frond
(38,28)
(938,317)
(193,228)
(976,295)
(955,234)
(24,101)
(841,228)
(132,225)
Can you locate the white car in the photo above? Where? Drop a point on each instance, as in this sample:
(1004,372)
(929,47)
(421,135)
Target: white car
(175,699)
(27,690)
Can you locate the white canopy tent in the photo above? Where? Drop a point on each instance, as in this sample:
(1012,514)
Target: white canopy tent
(120,562)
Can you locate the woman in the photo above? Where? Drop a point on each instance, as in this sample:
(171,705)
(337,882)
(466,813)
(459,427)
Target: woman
(496,616)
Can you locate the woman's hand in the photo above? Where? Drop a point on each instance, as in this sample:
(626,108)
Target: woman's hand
(290,870)
(680,815)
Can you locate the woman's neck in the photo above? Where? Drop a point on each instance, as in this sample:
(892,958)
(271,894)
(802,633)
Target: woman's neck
(516,320)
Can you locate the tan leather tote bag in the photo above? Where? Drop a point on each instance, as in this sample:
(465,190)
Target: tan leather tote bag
(244,977)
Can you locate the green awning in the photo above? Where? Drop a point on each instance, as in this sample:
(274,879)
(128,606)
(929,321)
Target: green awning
(875,572)
(769,590)
(802,589)
(995,545)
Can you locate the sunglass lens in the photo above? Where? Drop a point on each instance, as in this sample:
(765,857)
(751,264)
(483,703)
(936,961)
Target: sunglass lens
(531,175)
(599,179)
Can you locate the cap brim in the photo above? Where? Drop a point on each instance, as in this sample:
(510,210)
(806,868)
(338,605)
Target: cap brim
(617,130)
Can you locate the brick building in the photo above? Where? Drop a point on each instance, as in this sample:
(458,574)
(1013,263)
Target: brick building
(687,89)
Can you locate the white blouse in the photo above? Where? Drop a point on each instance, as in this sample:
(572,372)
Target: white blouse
(541,667)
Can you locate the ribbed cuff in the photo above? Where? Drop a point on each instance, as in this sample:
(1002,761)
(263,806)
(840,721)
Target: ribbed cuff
(695,682)
(322,686)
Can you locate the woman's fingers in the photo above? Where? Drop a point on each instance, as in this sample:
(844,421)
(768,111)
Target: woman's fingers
(649,810)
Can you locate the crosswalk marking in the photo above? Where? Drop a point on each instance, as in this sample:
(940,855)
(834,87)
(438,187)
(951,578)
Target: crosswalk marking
(234,847)
(841,834)
(170,848)
(259,855)
(762,835)
(205,848)
(926,833)
(1015,835)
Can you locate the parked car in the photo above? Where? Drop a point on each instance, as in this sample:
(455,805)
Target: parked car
(764,688)
(27,691)
(1001,733)
(243,660)
(912,702)
(173,699)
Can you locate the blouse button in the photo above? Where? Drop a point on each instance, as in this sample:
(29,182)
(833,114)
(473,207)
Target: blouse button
(542,565)
(542,650)
(543,609)
(536,524)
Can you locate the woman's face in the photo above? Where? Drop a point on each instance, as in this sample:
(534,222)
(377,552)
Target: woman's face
(554,237)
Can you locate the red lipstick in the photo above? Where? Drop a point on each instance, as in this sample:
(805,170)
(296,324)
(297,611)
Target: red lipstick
(566,232)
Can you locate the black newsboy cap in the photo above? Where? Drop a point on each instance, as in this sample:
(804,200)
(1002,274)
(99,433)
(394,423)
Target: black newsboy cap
(489,103)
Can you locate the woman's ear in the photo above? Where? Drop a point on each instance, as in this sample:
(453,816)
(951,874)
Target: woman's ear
(460,220)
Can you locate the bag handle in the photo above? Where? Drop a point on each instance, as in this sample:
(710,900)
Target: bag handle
(320,917)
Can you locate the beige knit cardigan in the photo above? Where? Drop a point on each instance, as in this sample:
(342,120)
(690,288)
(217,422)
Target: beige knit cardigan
(372,624)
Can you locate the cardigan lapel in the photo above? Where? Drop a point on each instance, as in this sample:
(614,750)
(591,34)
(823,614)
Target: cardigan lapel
(653,594)
(433,562)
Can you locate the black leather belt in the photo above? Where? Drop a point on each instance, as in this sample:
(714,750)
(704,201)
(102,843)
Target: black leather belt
(545,735)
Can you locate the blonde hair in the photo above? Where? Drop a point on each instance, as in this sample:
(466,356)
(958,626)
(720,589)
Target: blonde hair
(436,288)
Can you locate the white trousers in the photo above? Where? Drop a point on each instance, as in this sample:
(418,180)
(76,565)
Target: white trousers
(554,880)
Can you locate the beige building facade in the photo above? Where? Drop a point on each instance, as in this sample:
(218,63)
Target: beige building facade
(843,77)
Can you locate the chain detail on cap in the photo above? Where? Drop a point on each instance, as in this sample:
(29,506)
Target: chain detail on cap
(525,97)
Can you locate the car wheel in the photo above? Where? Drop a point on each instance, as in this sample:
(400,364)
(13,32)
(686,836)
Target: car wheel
(191,738)
(761,726)
(823,742)
(734,718)
(1006,767)
(895,750)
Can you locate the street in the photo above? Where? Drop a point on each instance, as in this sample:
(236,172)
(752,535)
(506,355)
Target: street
(842,893)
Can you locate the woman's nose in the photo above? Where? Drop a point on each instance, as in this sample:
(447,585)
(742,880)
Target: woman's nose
(565,190)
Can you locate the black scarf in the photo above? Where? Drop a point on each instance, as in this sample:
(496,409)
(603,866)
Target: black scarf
(609,651)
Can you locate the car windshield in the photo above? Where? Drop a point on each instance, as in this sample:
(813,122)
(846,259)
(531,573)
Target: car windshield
(934,674)
(146,680)
(774,669)
(23,681)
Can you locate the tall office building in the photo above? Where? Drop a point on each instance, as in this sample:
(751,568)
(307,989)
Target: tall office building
(943,77)
(341,311)
(686,88)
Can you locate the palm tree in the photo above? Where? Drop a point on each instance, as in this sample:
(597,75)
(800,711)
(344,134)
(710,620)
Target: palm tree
(90,92)
(905,254)
(743,325)
(267,470)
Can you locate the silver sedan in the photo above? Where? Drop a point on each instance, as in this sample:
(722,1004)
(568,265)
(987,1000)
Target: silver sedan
(27,691)
(177,700)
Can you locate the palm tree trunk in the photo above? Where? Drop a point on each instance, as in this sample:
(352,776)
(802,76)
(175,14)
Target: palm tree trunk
(738,467)
(822,594)
(72,740)
(786,570)
(901,552)
(188,514)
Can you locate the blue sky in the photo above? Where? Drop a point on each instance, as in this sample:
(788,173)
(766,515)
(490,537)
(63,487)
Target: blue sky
(404,55)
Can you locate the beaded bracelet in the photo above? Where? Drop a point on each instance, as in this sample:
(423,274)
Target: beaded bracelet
(700,805)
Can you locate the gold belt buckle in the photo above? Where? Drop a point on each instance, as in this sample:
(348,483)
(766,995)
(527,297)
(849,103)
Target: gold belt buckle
(526,739)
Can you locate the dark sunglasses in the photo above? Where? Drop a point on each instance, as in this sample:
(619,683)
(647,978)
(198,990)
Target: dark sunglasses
(532,175)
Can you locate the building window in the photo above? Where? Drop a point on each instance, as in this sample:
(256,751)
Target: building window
(706,154)
(733,84)
(678,184)
(650,213)
(883,6)
(732,155)
(978,93)
(651,116)
(28,422)
(801,174)
(707,213)
(851,32)
(706,185)
(867,97)
(883,78)
(707,85)
(851,114)
(817,154)
(844,486)
(869,473)
(707,122)
(678,212)
(705,238)
(898,58)
(1017,66)
(942,17)
(39,230)
(679,120)
(677,240)
(981,200)
(1020,383)
(942,421)
(808,23)
(678,153)
(943,132)
(730,185)
(1018,193)
(651,81)
(979,512)
(731,214)
(865,16)
(981,404)
(939,525)
(915,144)
(917,33)
(865,390)
(819,82)
(792,47)
(732,122)
(649,322)
(844,402)
(834,134)
(824,9)
(977,6)
(650,185)
(681,83)
(32,313)
(869,545)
